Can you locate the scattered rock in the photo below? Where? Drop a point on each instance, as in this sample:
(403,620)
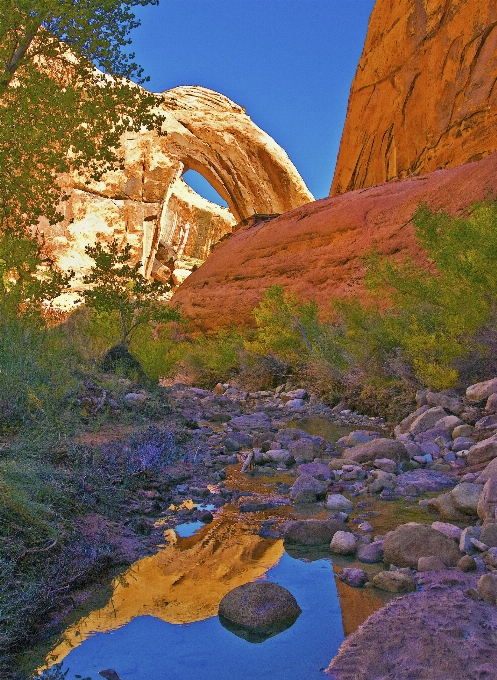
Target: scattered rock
(491,404)
(343,543)
(394,582)
(489,535)
(404,546)
(491,557)
(378,448)
(452,404)
(431,563)
(444,504)
(462,444)
(406,423)
(280,456)
(423,480)
(353,577)
(312,531)
(427,420)
(304,449)
(370,553)
(449,530)
(463,431)
(319,471)
(361,437)
(478,545)
(486,423)
(467,563)
(487,588)
(236,441)
(487,505)
(339,503)
(205,516)
(480,391)
(386,464)
(465,544)
(490,472)
(252,421)
(307,489)
(466,497)
(109,674)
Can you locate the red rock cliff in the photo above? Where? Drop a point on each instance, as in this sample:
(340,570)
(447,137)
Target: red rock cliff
(424,95)
(316,250)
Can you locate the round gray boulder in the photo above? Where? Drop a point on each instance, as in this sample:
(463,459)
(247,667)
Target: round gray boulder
(262,607)
(312,531)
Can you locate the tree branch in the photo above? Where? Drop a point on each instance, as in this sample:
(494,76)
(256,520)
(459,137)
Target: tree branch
(23,46)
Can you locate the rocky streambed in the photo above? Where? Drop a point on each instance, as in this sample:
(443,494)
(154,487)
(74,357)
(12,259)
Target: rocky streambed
(407,519)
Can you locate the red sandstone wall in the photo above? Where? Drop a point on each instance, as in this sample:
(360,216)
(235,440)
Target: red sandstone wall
(424,95)
(316,250)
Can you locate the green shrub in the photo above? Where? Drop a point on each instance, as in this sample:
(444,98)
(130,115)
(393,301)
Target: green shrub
(208,359)
(36,374)
(435,310)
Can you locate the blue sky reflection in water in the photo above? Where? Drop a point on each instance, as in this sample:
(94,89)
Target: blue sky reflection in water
(148,648)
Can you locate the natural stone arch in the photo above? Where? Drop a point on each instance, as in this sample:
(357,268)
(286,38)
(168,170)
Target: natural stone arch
(206,132)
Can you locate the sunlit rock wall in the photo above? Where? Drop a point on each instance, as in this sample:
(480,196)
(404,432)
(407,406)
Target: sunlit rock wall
(146,204)
(424,95)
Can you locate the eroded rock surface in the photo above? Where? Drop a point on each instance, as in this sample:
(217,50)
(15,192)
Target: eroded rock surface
(317,250)
(440,632)
(146,204)
(424,94)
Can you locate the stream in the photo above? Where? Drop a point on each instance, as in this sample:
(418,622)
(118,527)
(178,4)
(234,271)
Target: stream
(161,621)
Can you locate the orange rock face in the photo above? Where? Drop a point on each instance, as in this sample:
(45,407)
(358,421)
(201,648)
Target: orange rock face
(424,95)
(316,250)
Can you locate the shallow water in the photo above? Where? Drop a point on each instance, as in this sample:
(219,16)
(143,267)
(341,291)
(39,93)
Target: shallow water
(322,427)
(148,647)
(161,619)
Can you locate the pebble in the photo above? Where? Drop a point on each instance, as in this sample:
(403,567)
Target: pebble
(430,563)
(343,543)
(394,582)
(487,588)
(467,563)
(371,553)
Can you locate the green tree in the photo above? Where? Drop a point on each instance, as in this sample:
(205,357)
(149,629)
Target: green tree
(57,111)
(116,287)
(28,277)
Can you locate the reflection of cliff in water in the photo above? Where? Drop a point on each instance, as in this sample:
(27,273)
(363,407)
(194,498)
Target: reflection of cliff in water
(182,583)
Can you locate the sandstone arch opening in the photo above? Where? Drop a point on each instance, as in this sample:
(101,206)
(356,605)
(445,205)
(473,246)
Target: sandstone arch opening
(203,187)
(148,205)
(190,225)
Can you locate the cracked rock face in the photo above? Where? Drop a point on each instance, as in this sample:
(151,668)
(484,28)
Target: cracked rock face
(424,94)
(149,206)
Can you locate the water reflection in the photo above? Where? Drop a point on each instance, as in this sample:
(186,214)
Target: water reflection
(148,648)
(137,631)
(182,583)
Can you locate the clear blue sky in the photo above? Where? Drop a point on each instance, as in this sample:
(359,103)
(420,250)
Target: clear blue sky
(290,63)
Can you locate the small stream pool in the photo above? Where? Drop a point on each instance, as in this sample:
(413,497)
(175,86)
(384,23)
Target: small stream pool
(161,623)
(147,647)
